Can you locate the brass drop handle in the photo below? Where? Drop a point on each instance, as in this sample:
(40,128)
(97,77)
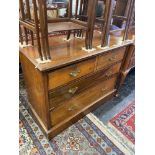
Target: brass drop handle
(104,89)
(74,73)
(112,58)
(72,108)
(109,73)
(73,90)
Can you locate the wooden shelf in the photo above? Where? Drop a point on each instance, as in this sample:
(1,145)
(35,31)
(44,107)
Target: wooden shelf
(64,26)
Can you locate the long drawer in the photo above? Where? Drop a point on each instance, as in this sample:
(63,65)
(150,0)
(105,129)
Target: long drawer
(67,74)
(110,57)
(82,101)
(60,95)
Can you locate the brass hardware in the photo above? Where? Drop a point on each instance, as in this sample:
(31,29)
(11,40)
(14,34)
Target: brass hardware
(52,108)
(108,73)
(72,108)
(73,90)
(112,58)
(74,73)
(104,89)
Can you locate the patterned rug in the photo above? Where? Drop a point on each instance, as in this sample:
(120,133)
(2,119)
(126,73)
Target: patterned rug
(86,137)
(124,122)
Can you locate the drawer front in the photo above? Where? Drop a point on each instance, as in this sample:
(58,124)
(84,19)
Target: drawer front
(67,74)
(83,100)
(58,96)
(110,58)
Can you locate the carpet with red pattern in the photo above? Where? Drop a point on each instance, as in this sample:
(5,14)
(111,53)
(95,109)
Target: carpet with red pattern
(124,122)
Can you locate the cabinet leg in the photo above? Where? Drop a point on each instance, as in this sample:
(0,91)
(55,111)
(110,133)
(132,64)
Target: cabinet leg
(122,78)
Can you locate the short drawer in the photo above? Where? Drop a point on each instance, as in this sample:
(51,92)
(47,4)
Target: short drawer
(62,94)
(110,58)
(67,74)
(71,107)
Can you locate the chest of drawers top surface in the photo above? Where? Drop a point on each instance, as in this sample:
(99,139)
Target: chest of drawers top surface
(66,53)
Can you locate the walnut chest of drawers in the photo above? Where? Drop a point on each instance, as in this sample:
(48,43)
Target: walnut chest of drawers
(61,94)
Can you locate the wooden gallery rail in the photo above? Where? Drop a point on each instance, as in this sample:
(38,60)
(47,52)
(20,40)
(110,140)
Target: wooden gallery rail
(66,79)
(41,26)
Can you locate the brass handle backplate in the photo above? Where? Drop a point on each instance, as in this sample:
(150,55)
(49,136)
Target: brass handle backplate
(112,58)
(72,108)
(73,90)
(74,73)
(104,89)
(109,73)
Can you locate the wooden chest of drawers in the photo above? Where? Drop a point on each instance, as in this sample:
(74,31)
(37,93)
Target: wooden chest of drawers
(60,96)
